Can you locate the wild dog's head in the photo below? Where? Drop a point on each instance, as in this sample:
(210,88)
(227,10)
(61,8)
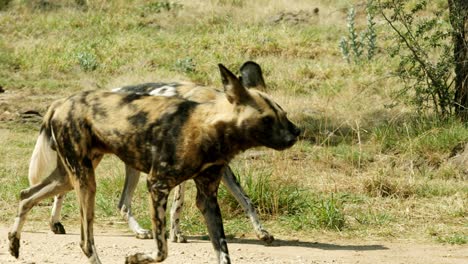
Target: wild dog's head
(251,76)
(258,118)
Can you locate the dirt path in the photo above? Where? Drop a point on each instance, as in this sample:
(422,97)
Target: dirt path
(45,247)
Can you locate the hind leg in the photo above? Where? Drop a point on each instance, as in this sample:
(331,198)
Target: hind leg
(233,186)
(86,192)
(55,224)
(132,177)
(177,205)
(85,187)
(55,184)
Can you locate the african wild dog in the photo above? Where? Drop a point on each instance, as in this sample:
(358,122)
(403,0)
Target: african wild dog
(251,77)
(169,138)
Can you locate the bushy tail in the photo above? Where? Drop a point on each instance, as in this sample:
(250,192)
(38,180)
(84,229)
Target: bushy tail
(44,158)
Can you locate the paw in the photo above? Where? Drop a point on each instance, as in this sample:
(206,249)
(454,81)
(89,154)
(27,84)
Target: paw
(144,234)
(143,258)
(265,237)
(14,244)
(94,259)
(57,228)
(139,258)
(178,238)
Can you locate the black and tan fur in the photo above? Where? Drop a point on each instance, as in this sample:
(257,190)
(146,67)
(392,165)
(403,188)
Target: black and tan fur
(169,138)
(251,77)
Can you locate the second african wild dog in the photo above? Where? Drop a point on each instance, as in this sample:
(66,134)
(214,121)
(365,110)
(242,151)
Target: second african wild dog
(171,139)
(251,77)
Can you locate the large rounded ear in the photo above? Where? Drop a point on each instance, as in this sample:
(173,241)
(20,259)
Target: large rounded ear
(235,92)
(251,76)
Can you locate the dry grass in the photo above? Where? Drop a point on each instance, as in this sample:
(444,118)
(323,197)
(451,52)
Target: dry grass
(386,170)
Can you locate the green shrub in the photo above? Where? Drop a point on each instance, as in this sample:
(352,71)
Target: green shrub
(424,52)
(161,6)
(186,65)
(354,46)
(87,60)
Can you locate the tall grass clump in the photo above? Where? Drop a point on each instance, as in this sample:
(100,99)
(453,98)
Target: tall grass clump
(421,134)
(271,196)
(329,213)
(9,195)
(321,212)
(285,200)
(385,186)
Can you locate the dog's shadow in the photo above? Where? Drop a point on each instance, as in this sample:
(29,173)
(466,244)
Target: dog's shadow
(297,243)
(248,241)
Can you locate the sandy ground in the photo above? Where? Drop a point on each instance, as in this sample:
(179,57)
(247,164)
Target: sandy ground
(42,246)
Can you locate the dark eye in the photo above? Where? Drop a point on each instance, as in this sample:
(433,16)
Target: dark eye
(268,120)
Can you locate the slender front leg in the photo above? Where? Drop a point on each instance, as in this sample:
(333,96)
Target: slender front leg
(176,209)
(132,177)
(233,186)
(159,193)
(207,190)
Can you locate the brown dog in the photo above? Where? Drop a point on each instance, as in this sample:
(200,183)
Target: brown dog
(169,138)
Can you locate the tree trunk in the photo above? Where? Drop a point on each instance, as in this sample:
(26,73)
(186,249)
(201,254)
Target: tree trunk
(459,21)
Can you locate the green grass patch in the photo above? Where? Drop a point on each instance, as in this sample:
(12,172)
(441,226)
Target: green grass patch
(453,239)
(371,218)
(322,212)
(421,135)
(359,145)
(271,196)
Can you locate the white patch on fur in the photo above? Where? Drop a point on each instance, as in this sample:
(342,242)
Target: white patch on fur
(57,208)
(134,226)
(224,258)
(167,91)
(116,90)
(178,202)
(17,227)
(43,160)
